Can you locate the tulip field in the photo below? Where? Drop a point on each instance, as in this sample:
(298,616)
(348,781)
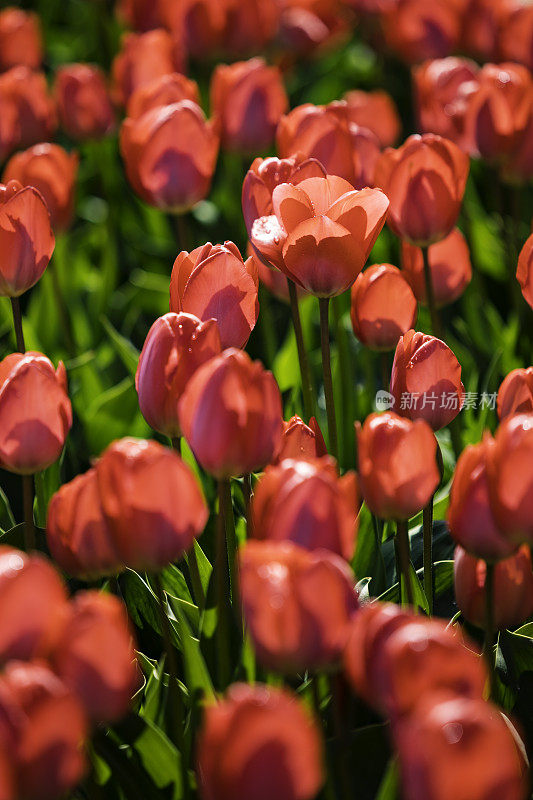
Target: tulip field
(266,400)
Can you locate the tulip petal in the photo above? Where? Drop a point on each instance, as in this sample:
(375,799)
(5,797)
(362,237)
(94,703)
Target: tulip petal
(291,206)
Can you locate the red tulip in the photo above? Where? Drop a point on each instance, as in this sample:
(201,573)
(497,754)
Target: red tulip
(398,471)
(7,777)
(45,727)
(306,502)
(140,15)
(33,602)
(213,282)
(449,265)
(83,102)
(512,593)
(459,748)
(510,475)
(311,26)
(426,380)
(26,238)
(515,395)
(248,99)
(249,26)
(165,90)
(383,307)
(437,86)
(170,155)
(28,111)
(328,134)
(274,280)
(297,605)
(516,35)
(425,181)
(143,57)
(35,412)
(524,271)
(470,516)
(300,441)
(95,656)
(20,39)
(259,742)
(377,112)
(175,347)
(230,414)
(416,29)
(481,28)
(53,172)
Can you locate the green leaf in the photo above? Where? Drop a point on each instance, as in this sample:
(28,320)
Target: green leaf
(197,675)
(390,785)
(7,520)
(125,350)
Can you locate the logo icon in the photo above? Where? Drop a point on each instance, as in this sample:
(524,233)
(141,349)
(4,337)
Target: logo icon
(384,400)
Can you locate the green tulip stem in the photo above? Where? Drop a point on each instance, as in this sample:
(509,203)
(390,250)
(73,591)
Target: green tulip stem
(323,303)
(17,323)
(436,326)
(488,645)
(404,560)
(305,373)
(427,527)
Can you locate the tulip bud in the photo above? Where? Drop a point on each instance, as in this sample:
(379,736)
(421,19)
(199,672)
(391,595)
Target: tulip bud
(250,26)
(426,380)
(175,347)
(449,265)
(143,57)
(510,476)
(300,441)
(327,134)
(213,282)
(416,30)
(29,108)
(47,729)
(481,28)
(164,90)
(425,180)
(33,602)
(279,746)
(470,517)
(512,592)
(383,307)
(35,412)
(83,102)
(398,471)
(516,35)
(199,23)
(52,171)
(459,747)
(307,503)
(95,656)
(230,414)
(170,155)
(248,98)
(437,86)
(377,112)
(26,238)
(515,395)
(20,39)
(524,271)
(297,605)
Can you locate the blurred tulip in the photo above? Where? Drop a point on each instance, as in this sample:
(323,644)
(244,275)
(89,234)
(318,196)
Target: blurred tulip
(311,26)
(524,271)
(248,98)
(165,90)
(35,412)
(481,27)
(95,656)
(170,154)
(437,85)
(300,441)
(377,112)
(259,742)
(250,26)
(328,134)
(426,380)
(306,502)
(327,228)
(459,748)
(425,180)
(141,15)
(513,588)
(515,395)
(274,280)
(449,265)
(515,38)
(417,30)
(175,347)
(398,471)
(213,282)
(47,728)
(26,238)
(7,777)
(297,605)
(470,517)
(83,102)
(143,57)
(510,476)
(29,111)
(20,39)
(53,172)
(230,413)
(33,602)
(383,307)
